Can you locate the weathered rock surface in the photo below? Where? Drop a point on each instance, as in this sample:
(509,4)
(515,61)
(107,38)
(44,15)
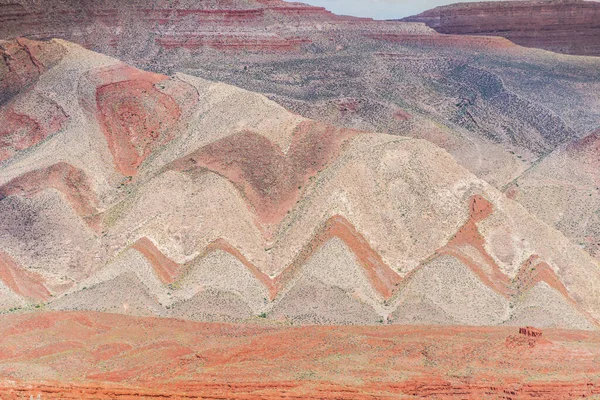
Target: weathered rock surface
(563,190)
(485,100)
(180,197)
(562,26)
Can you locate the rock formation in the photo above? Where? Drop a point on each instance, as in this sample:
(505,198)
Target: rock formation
(351,72)
(127,193)
(175,196)
(497,108)
(562,26)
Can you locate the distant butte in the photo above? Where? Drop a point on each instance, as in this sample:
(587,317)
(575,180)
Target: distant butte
(569,26)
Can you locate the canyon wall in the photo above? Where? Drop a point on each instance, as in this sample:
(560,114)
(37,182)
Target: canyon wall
(569,27)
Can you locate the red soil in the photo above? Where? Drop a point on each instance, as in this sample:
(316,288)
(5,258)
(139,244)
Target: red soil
(165,358)
(137,115)
(70,181)
(270,180)
(20,131)
(22,282)
(384,280)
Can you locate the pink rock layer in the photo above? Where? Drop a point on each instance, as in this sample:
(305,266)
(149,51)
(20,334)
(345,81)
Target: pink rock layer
(166,269)
(268,179)
(232,42)
(533,270)
(21,131)
(382,278)
(70,181)
(570,26)
(22,61)
(174,25)
(135,118)
(24,283)
(139,112)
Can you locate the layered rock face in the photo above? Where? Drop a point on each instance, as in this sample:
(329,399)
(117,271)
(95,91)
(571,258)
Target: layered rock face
(318,58)
(175,196)
(562,26)
(497,108)
(127,193)
(133,26)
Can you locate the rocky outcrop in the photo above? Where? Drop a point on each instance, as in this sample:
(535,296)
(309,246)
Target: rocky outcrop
(138,112)
(215,203)
(562,26)
(224,25)
(70,181)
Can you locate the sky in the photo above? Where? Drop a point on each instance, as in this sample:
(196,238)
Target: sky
(379,9)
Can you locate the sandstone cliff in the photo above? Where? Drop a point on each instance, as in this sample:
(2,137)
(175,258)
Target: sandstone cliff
(568,26)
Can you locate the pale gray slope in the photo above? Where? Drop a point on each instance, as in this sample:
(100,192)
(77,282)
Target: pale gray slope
(446,291)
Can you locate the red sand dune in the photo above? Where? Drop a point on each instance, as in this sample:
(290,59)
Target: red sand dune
(106,356)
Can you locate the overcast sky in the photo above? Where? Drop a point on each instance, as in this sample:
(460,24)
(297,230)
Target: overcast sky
(379,9)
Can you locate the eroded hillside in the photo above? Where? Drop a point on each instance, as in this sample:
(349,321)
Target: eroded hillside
(176,196)
(497,108)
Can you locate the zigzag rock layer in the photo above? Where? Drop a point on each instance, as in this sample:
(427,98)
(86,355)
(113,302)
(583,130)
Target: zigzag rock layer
(187,198)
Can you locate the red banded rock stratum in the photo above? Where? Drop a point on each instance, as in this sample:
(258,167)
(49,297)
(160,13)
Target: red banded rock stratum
(234,208)
(139,112)
(566,26)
